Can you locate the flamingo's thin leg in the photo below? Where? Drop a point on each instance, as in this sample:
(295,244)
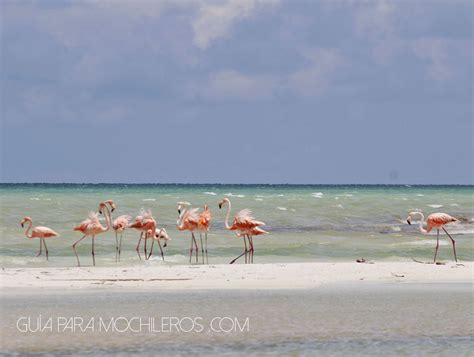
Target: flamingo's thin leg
(144,247)
(93,251)
(437,246)
(202,247)
(191,250)
(120,246)
(245,252)
(454,244)
(161,250)
(41,248)
(45,248)
(197,249)
(251,246)
(116,247)
(74,247)
(207,257)
(151,248)
(138,245)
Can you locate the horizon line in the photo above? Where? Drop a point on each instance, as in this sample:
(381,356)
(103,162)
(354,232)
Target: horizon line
(235,184)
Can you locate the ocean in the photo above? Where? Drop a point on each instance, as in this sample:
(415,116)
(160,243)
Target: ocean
(306,222)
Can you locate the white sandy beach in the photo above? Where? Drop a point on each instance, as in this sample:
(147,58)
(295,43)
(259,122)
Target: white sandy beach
(256,276)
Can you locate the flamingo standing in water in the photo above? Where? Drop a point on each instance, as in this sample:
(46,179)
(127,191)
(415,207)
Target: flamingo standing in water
(160,235)
(246,226)
(188,220)
(91,226)
(204,222)
(143,222)
(38,232)
(119,225)
(435,220)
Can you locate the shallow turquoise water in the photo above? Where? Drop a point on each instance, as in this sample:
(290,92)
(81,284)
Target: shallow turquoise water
(306,223)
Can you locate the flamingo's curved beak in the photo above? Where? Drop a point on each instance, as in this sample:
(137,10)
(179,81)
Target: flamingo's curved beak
(408,221)
(100,211)
(113,209)
(21,225)
(164,245)
(179,211)
(220,205)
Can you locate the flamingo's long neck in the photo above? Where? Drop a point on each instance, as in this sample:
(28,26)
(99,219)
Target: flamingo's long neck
(179,222)
(107,219)
(422,220)
(30,224)
(227,214)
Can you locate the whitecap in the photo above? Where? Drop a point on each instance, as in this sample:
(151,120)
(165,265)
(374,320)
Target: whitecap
(210,193)
(454,205)
(435,206)
(282,208)
(348,195)
(340,206)
(34,198)
(259,199)
(232,195)
(317,194)
(149,199)
(419,194)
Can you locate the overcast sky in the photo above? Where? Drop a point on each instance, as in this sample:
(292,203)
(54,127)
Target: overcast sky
(237,91)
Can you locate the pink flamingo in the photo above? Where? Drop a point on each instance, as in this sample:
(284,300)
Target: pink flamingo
(245,224)
(188,221)
(38,232)
(143,222)
(91,226)
(204,222)
(160,235)
(435,220)
(119,225)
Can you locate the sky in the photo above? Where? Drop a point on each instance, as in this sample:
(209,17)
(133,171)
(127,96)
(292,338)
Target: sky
(237,91)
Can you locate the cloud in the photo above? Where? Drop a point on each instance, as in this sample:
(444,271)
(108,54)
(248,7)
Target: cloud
(232,84)
(316,78)
(435,51)
(215,19)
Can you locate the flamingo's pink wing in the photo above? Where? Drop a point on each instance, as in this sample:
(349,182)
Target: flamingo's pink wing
(245,220)
(192,216)
(44,232)
(441,218)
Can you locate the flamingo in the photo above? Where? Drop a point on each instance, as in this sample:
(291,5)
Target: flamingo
(245,224)
(435,220)
(188,221)
(119,225)
(38,232)
(143,222)
(160,235)
(204,222)
(91,226)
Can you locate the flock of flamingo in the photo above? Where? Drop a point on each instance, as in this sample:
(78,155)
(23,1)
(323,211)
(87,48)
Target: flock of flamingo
(189,219)
(193,219)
